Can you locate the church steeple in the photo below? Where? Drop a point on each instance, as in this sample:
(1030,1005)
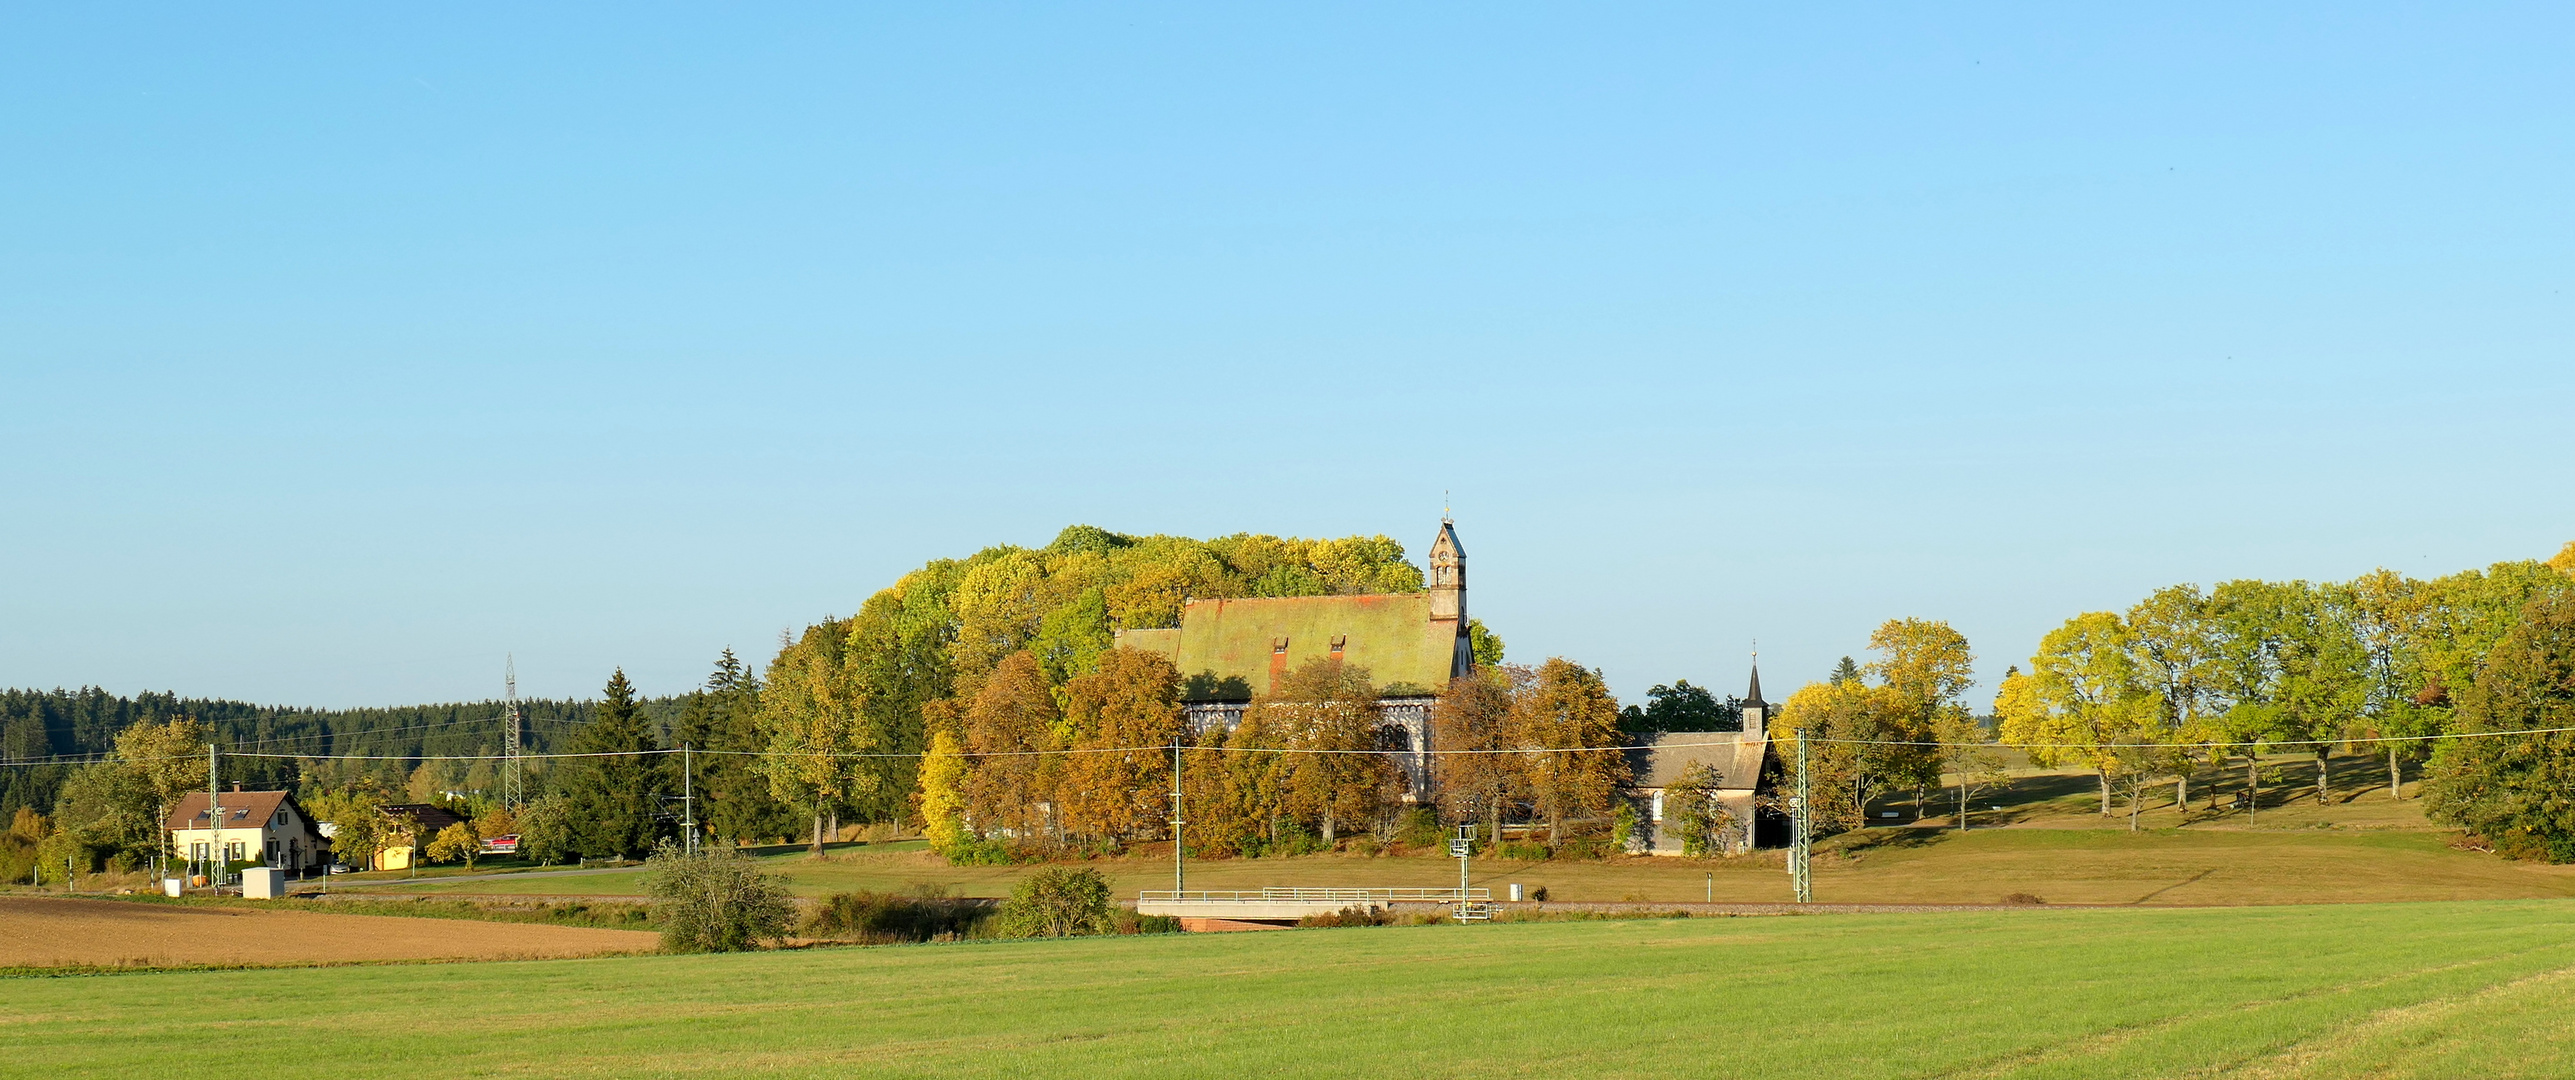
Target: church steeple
(1756,712)
(1448,575)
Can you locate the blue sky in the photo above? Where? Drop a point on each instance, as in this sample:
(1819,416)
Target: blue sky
(343,352)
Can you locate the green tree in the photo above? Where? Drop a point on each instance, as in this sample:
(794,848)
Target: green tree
(1847,671)
(2513,789)
(722,720)
(104,812)
(1692,806)
(1680,707)
(2175,646)
(613,789)
(2291,666)
(359,828)
(169,758)
(1484,644)
(810,717)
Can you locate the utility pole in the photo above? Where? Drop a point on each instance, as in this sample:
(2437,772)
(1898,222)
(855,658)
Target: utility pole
(688,797)
(214,821)
(1798,845)
(512,791)
(1179,870)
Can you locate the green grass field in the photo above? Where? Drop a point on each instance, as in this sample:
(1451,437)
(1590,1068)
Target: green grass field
(2418,990)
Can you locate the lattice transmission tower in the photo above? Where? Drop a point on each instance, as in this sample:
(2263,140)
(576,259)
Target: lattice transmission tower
(511,786)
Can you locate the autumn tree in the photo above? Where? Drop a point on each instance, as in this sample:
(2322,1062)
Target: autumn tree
(1563,725)
(1010,743)
(1325,713)
(2085,701)
(1835,720)
(943,796)
(455,843)
(1471,724)
(1924,668)
(1118,780)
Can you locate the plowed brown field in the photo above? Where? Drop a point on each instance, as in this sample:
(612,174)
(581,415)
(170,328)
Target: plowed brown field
(46,932)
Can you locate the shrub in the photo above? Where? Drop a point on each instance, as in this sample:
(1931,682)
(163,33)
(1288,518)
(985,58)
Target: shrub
(1129,922)
(925,914)
(1058,901)
(1350,916)
(1523,851)
(1419,829)
(715,901)
(1589,847)
(2022,899)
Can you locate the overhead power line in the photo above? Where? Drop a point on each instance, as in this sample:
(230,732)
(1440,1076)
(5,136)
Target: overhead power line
(1158,749)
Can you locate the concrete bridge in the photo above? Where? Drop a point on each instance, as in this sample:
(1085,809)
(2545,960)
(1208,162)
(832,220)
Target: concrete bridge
(1280,906)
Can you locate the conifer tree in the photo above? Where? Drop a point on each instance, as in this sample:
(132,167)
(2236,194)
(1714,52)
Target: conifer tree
(612,801)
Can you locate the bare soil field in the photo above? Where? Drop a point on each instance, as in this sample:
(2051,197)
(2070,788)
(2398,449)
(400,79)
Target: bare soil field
(43,932)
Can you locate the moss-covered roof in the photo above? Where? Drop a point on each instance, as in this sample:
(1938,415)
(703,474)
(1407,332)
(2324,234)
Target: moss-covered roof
(1229,650)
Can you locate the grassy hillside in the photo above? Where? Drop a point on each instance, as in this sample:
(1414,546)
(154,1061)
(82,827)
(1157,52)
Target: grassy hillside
(2090,866)
(2396,990)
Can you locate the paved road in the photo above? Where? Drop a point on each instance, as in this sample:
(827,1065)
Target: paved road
(336,884)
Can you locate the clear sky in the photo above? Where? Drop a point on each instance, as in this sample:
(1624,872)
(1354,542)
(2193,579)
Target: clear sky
(343,352)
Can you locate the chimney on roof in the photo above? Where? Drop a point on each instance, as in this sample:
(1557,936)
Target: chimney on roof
(236,785)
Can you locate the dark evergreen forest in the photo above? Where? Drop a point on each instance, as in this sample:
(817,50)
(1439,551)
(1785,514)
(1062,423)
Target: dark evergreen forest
(65,728)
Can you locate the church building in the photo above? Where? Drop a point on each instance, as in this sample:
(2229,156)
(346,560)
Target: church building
(1411,644)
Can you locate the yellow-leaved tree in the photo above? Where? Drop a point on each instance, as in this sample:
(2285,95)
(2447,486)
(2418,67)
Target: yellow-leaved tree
(2086,700)
(943,797)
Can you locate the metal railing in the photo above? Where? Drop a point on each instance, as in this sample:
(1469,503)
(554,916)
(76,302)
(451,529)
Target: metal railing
(1315,896)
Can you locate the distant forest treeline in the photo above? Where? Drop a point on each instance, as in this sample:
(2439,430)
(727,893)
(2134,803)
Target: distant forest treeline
(78,725)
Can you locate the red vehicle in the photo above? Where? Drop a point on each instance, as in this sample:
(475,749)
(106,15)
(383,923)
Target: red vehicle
(502,845)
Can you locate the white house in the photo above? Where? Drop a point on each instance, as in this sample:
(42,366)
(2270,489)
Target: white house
(267,826)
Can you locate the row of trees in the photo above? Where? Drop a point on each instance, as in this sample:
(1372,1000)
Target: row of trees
(1896,723)
(835,730)
(1312,761)
(2311,667)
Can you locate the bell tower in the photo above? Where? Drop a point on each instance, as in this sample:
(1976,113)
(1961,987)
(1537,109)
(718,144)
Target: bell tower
(1448,576)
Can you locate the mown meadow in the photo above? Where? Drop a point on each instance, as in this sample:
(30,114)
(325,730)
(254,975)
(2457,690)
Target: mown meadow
(2458,989)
